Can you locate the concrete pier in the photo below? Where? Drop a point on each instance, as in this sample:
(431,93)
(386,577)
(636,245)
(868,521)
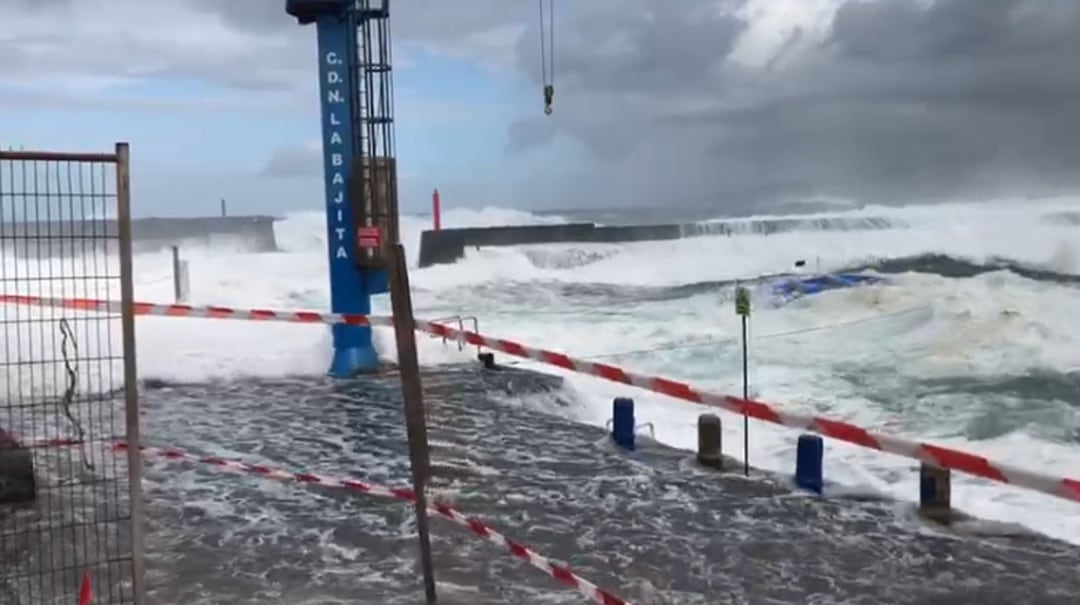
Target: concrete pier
(448,245)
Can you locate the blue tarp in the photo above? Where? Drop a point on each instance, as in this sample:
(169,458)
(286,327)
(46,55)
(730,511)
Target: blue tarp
(785,290)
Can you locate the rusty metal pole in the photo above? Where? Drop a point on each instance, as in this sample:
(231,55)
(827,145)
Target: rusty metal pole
(413,394)
(131,385)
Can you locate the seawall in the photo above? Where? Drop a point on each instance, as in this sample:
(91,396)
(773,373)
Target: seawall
(74,238)
(448,245)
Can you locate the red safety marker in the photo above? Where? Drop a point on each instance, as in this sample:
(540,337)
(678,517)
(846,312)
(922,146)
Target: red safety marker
(84,589)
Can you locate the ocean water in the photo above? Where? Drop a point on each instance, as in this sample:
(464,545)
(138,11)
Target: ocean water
(974,343)
(967,347)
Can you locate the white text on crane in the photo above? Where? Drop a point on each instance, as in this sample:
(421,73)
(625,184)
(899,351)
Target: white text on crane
(335,143)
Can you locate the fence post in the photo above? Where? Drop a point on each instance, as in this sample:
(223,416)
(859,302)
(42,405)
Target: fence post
(710,452)
(132,431)
(181,278)
(935,493)
(622,422)
(415,415)
(809,454)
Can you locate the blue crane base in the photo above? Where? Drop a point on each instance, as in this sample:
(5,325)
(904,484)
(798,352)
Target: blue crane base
(354,346)
(357,356)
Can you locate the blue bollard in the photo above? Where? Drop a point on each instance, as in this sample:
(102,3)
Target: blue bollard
(808,461)
(622,422)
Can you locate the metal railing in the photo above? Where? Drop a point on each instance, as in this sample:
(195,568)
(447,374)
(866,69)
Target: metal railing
(460,320)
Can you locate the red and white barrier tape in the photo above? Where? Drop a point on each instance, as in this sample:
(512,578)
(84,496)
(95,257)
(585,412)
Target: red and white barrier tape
(559,572)
(1062,487)
(199,312)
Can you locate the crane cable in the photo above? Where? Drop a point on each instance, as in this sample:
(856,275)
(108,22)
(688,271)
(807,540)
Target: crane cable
(547,54)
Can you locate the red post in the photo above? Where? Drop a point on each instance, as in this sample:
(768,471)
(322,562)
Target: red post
(436,209)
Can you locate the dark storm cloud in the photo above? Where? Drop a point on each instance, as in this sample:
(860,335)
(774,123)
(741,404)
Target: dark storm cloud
(900,102)
(622,66)
(965,97)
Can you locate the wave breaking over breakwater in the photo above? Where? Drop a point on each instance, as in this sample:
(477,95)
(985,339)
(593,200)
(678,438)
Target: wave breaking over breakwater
(449,245)
(784,225)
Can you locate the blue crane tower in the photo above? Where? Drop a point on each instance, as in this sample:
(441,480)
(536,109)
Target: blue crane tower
(356,95)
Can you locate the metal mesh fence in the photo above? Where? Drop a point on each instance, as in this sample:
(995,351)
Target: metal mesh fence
(71,512)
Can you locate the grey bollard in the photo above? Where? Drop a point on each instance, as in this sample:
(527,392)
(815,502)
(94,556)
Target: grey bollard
(935,493)
(710,451)
(17,484)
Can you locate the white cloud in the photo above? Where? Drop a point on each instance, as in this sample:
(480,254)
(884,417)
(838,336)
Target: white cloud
(775,27)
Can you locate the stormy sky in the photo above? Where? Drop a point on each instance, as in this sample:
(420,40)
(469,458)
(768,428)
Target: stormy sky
(733,103)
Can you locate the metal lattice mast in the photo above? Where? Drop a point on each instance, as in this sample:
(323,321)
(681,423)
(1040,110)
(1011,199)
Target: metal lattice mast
(374,112)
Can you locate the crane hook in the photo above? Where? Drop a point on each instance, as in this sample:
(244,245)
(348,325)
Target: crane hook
(547,53)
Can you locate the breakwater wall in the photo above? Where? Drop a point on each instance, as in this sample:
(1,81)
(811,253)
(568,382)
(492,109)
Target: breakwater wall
(78,237)
(446,246)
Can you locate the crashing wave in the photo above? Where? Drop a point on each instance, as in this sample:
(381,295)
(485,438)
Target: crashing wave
(568,258)
(784,225)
